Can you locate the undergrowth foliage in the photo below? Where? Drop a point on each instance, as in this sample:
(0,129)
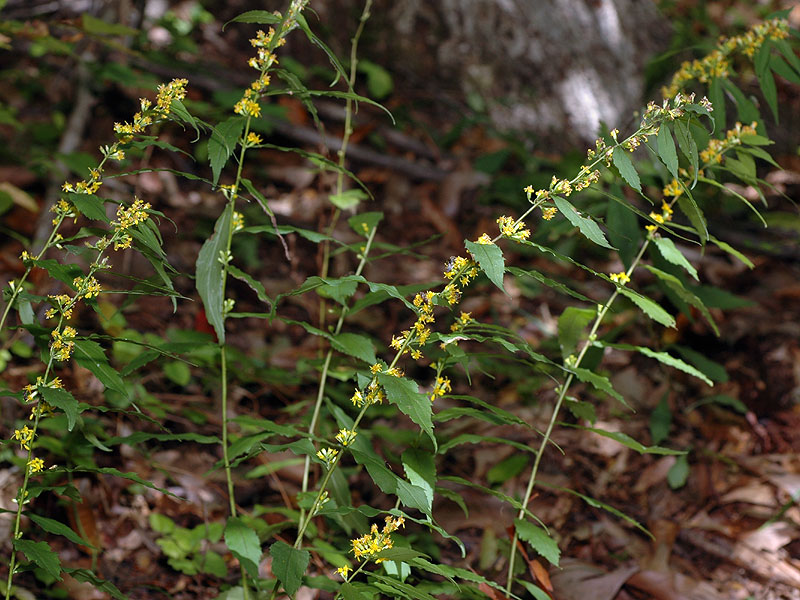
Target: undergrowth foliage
(333,435)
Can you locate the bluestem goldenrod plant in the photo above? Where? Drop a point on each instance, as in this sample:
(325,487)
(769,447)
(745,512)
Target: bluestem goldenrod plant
(335,434)
(48,395)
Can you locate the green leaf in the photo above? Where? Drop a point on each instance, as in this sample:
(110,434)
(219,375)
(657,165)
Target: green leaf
(348,199)
(539,540)
(624,231)
(599,382)
(214,564)
(506,469)
(379,80)
(671,253)
(610,509)
(61,399)
(412,496)
(288,565)
(587,226)
(687,145)
(89,206)
(396,589)
(678,473)
(651,308)
(356,345)
(534,590)
(254,284)
(666,150)
(210,271)
(717,97)
(363,223)
(90,355)
(420,470)
(41,555)
(86,576)
(677,287)
(262,17)
(628,441)
(96,26)
(712,369)
(581,410)
(625,167)
(767,82)
(349,592)
(551,283)
(571,325)
(732,251)
(689,207)
(663,358)
(224,138)
(660,421)
(747,112)
(337,289)
(178,372)
(406,395)
(490,259)
(243,543)
(57,528)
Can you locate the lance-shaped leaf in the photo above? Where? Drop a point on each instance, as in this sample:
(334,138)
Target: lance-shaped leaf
(406,395)
(490,260)
(288,565)
(625,167)
(587,227)
(210,271)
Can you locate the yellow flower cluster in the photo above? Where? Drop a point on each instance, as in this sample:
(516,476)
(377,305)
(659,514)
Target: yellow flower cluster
(168,93)
(621,278)
(441,388)
(30,393)
(463,320)
(673,189)
(717,63)
(127,217)
(87,286)
(24,436)
(63,304)
(346,436)
(370,544)
(713,153)
(62,343)
(63,210)
(327,455)
(660,218)
(513,229)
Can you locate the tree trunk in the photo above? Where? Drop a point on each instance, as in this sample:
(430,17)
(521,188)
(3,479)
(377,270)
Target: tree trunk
(556,68)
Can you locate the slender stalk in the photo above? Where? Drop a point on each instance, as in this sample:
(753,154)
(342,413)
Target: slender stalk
(601,313)
(326,366)
(342,152)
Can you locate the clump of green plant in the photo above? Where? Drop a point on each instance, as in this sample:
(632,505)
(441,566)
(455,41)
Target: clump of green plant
(187,549)
(686,143)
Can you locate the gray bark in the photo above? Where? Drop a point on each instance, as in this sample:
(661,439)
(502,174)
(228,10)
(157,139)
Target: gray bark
(556,68)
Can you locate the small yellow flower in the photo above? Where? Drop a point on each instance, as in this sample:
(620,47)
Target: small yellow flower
(24,436)
(346,437)
(327,455)
(621,278)
(549,212)
(35,465)
(254,138)
(344,571)
(376,368)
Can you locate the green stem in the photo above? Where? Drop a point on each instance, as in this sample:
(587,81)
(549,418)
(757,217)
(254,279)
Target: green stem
(326,366)
(554,415)
(342,152)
